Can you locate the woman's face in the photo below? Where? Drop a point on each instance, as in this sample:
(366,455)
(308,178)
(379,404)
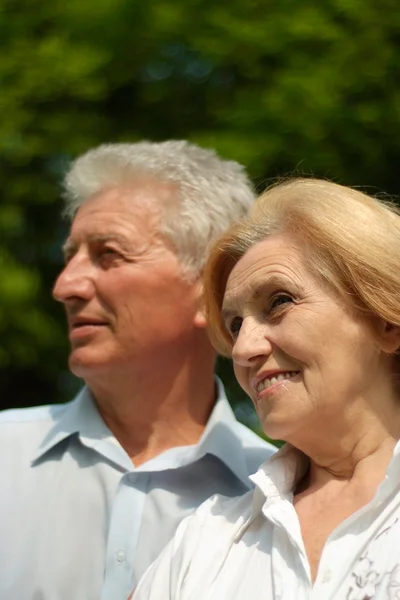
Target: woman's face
(306,360)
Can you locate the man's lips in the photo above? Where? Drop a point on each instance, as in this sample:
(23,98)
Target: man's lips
(78,322)
(83,327)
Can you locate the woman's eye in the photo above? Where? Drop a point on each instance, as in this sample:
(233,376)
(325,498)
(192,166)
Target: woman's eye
(279,300)
(234,326)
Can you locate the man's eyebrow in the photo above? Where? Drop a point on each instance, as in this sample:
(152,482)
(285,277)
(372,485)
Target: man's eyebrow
(108,237)
(71,246)
(68,247)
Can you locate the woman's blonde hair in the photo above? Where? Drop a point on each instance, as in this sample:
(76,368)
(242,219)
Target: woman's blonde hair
(352,241)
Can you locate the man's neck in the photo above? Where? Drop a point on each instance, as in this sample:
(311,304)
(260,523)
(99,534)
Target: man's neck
(149,414)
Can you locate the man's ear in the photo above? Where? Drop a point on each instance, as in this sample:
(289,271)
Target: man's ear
(389,335)
(200,317)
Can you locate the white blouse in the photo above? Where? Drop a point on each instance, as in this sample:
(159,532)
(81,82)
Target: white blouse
(250,548)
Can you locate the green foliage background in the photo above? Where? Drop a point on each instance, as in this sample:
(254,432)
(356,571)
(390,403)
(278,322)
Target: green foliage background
(280,85)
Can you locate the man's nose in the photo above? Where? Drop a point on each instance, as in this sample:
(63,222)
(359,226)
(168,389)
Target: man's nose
(76,280)
(252,342)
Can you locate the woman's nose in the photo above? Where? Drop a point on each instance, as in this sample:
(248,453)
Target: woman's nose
(251,342)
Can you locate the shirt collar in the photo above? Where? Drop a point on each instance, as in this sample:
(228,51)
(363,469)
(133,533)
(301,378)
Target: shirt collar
(277,477)
(274,481)
(222,437)
(81,417)
(391,481)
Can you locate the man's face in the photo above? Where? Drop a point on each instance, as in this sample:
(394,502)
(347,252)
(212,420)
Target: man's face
(122,285)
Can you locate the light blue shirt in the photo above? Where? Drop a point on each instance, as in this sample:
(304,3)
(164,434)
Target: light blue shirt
(79,521)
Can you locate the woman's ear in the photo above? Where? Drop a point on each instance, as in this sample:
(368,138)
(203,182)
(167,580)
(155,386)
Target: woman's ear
(389,336)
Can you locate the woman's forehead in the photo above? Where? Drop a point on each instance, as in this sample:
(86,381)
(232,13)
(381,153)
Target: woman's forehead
(275,261)
(280,249)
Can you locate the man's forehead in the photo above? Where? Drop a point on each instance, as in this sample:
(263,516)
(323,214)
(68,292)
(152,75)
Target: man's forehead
(121,214)
(121,208)
(142,191)
(112,211)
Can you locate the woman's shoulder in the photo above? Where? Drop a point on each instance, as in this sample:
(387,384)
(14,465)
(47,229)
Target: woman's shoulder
(214,524)
(206,538)
(224,510)
(199,548)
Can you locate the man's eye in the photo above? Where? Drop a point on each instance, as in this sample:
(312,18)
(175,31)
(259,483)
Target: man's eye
(279,300)
(110,252)
(109,256)
(234,326)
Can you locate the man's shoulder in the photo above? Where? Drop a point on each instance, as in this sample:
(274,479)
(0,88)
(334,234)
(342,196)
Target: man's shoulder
(24,430)
(33,416)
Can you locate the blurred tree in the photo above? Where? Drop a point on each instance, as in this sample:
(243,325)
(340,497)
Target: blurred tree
(279,85)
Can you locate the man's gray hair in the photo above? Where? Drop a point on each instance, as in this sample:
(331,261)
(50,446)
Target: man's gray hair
(212,192)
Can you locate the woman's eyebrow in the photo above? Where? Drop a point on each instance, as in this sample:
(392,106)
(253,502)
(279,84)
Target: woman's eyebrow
(265,286)
(274,283)
(257,290)
(227,314)
(231,304)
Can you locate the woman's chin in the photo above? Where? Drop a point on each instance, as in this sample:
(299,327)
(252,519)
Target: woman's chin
(275,429)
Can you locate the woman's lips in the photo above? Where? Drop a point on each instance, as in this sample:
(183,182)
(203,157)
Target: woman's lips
(271,380)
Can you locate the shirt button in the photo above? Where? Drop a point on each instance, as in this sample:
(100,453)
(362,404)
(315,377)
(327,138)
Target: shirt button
(120,556)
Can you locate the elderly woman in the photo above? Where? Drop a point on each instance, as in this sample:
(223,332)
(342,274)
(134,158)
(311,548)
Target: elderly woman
(305,297)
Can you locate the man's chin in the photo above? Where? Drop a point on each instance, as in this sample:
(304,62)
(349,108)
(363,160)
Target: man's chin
(82,363)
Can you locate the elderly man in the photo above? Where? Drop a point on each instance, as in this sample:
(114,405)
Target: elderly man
(94,489)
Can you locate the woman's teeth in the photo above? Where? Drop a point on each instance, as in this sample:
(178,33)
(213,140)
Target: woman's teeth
(268,381)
